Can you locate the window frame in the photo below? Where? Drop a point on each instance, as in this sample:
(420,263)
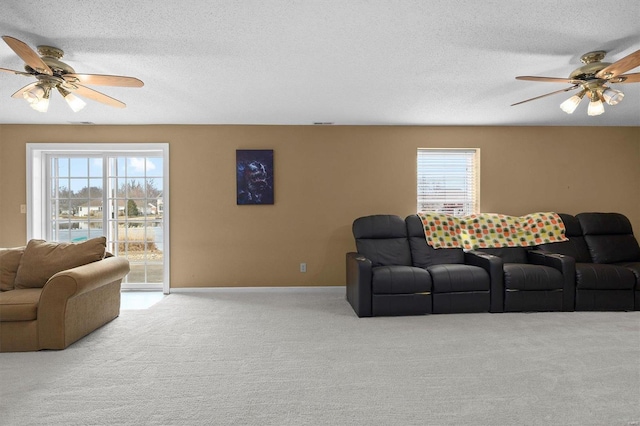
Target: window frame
(471,156)
(37,193)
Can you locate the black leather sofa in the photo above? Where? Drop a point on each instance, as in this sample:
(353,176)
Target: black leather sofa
(607,259)
(395,271)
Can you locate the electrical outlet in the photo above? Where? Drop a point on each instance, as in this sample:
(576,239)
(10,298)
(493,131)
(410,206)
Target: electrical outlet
(303,267)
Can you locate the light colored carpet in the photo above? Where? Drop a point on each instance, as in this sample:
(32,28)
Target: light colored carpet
(302,357)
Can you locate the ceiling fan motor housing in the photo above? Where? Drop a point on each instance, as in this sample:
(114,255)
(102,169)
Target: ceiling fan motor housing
(592,65)
(593,86)
(51,56)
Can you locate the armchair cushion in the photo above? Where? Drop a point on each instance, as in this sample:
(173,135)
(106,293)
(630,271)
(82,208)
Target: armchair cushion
(41,259)
(9,262)
(529,277)
(635,268)
(19,305)
(597,276)
(400,280)
(456,278)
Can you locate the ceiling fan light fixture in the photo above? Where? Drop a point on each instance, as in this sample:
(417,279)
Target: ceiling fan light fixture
(34,94)
(41,104)
(74,102)
(612,96)
(571,104)
(595,107)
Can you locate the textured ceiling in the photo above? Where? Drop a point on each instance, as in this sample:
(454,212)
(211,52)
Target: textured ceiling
(360,62)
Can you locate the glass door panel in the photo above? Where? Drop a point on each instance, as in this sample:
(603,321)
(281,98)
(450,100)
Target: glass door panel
(137,228)
(120,197)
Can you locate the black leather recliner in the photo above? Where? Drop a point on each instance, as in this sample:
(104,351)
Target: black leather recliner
(604,250)
(395,272)
(534,281)
(381,279)
(457,285)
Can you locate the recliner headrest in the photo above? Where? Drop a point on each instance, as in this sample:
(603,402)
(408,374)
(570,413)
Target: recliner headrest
(414,226)
(604,223)
(571,225)
(379,226)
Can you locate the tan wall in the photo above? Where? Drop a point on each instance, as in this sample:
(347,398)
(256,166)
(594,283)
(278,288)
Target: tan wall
(327,176)
(1,185)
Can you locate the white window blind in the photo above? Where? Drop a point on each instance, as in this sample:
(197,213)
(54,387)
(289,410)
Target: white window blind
(448,181)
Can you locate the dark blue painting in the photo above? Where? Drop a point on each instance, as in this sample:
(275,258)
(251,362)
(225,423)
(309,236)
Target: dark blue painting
(254,175)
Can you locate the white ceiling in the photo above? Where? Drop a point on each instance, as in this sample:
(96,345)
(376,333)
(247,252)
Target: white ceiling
(360,62)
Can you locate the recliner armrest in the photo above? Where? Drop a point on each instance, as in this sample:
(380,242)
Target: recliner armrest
(359,293)
(494,267)
(567,267)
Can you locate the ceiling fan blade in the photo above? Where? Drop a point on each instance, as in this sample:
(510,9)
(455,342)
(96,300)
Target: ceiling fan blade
(15,72)
(19,93)
(28,55)
(625,64)
(103,80)
(95,95)
(549,79)
(548,94)
(626,78)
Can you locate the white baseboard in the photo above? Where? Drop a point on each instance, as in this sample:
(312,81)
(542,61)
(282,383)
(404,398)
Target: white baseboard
(140,288)
(252,289)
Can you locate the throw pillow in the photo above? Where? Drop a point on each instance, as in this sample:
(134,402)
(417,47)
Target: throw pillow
(41,260)
(9,262)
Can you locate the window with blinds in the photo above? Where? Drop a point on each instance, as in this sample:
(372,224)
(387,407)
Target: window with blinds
(449,181)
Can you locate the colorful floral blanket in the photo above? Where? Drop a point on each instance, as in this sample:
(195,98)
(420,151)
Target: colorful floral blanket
(491,230)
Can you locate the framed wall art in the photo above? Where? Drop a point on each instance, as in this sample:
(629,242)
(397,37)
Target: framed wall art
(254,176)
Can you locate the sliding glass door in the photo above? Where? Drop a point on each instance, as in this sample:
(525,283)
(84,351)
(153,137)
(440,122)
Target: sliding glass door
(121,195)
